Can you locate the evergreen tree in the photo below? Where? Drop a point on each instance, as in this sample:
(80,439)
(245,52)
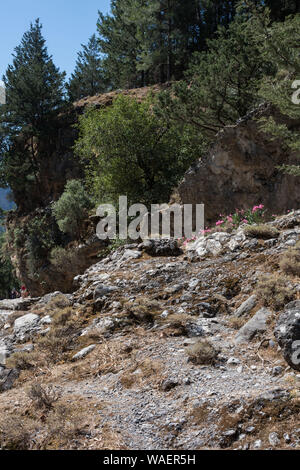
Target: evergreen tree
(280,44)
(88,78)
(34,95)
(34,86)
(280,9)
(147,42)
(220,86)
(119,44)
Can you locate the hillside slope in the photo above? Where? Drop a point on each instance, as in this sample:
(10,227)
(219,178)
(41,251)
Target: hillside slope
(157,349)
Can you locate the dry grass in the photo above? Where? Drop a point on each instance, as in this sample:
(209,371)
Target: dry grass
(43,397)
(143,309)
(262,232)
(236,323)
(290,261)
(148,370)
(22,360)
(202,353)
(15,434)
(274,292)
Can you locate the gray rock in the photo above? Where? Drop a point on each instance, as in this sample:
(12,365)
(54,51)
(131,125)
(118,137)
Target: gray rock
(163,247)
(83,353)
(7,378)
(17,304)
(131,254)
(246,306)
(102,291)
(26,325)
(256,325)
(287,333)
(274,439)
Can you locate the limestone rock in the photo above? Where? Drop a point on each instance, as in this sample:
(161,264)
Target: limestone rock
(287,333)
(257,324)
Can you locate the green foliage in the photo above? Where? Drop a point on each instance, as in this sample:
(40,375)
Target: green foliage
(150,42)
(88,78)
(34,94)
(222,83)
(41,236)
(127,150)
(34,86)
(8,281)
(72,208)
(64,260)
(280,44)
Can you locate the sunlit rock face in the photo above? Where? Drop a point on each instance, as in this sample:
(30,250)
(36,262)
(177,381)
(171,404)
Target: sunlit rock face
(241,170)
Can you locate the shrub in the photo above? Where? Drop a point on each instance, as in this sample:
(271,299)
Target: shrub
(64,259)
(274,292)
(22,360)
(41,236)
(43,397)
(264,232)
(143,309)
(290,262)
(72,208)
(236,322)
(14,434)
(202,352)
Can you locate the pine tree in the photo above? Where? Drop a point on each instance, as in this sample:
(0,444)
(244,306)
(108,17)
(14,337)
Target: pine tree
(220,86)
(34,96)
(120,46)
(34,86)
(88,78)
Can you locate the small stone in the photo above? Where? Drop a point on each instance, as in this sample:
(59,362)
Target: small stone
(233,361)
(274,439)
(277,370)
(84,352)
(257,444)
(168,384)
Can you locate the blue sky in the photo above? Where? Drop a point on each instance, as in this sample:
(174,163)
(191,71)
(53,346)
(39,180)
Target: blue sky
(66,25)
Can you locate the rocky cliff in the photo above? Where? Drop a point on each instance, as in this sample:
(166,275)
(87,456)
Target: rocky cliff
(241,170)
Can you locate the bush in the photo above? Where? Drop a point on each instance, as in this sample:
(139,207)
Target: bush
(14,434)
(290,262)
(274,292)
(264,232)
(127,150)
(43,397)
(64,259)
(41,235)
(202,352)
(22,360)
(72,208)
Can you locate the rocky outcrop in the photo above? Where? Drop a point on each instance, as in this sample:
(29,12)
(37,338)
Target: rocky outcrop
(287,333)
(240,171)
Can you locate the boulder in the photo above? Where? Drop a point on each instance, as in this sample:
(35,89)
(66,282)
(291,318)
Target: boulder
(246,306)
(25,326)
(7,378)
(257,324)
(287,333)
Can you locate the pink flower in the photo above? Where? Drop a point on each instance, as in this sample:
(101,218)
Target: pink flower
(245,221)
(220,222)
(261,206)
(230,219)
